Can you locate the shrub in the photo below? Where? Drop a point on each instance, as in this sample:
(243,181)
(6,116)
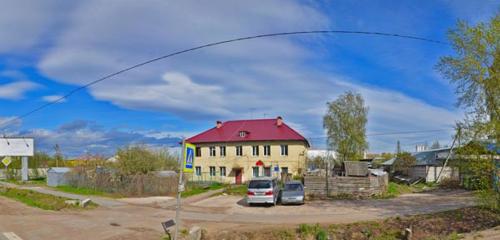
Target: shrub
(139,159)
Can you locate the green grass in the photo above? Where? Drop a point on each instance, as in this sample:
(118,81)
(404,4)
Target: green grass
(84,191)
(396,189)
(36,181)
(195,189)
(238,190)
(39,200)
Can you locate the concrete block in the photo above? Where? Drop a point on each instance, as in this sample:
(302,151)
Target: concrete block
(195,233)
(85,202)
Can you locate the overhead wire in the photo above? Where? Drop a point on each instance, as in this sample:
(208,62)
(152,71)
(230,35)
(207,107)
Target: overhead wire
(39,108)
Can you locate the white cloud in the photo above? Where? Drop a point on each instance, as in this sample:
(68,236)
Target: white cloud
(52,98)
(273,76)
(16,90)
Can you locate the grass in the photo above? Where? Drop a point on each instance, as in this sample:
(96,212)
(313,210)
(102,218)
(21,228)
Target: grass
(396,189)
(195,189)
(449,225)
(39,200)
(85,191)
(35,181)
(237,190)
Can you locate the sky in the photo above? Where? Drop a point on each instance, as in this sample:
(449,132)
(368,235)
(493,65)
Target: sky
(49,47)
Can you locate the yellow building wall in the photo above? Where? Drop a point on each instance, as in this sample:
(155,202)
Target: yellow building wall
(295,161)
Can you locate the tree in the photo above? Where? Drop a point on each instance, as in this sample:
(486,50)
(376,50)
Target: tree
(475,70)
(141,160)
(345,122)
(404,161)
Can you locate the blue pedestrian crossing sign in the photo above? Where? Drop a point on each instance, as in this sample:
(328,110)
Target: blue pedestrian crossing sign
(189,152)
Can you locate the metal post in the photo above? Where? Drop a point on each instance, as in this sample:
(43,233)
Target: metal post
(24,169)
(179,186)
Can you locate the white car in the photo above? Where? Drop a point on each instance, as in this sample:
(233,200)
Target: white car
(263,190)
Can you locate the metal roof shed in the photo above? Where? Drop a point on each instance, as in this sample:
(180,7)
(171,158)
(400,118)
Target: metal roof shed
(56,176)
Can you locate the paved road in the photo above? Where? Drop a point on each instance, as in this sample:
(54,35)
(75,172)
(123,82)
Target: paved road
(143,222)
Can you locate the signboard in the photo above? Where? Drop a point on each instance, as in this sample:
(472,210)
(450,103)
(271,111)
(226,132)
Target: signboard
(6,161)
(22,147)
(189,152)
(277,168)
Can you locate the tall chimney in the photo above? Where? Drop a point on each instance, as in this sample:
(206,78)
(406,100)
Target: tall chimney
(218,124)
(279,121)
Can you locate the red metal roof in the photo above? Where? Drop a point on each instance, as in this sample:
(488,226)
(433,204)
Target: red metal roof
(255,130)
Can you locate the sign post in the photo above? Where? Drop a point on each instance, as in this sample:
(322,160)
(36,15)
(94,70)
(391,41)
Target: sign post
(18,147)
(186,162)
(6,161)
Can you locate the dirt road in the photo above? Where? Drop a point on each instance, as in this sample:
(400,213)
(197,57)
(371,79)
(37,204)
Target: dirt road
(217,213)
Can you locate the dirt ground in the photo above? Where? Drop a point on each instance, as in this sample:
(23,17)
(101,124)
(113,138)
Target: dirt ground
(130,221)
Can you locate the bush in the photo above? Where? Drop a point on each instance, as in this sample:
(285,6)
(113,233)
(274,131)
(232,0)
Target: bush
(141,160)
(489,199)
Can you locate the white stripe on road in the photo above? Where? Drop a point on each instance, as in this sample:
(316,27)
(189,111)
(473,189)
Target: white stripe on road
(11,236)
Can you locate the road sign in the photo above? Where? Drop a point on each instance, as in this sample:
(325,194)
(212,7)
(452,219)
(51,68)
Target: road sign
(17,147)
(189,152)
(6,161)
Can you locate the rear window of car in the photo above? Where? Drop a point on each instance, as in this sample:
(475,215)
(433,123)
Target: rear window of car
(293,187)
(259,184)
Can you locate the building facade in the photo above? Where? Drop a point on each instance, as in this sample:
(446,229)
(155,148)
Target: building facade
(237,151)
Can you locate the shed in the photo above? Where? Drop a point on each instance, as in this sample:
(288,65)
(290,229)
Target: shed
(56,176)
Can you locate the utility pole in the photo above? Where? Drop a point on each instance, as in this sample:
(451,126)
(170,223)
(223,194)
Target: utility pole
(398,148)
(180,189)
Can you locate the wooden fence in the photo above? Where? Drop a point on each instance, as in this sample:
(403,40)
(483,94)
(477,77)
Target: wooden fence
(356,186)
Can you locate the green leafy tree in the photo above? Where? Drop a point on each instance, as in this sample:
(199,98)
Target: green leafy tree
(141,160)
(404,161)
(475,70)
(345,122)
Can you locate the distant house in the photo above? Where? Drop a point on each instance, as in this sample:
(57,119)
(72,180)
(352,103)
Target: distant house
(237,151)
(428,165)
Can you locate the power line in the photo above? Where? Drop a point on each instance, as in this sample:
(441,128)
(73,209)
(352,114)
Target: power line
(395,133)
(4,124)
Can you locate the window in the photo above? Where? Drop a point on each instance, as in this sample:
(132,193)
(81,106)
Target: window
(284,170)
(255,150)
(222,151)
(239,150)
(243,134)
(255,171)
(222,171)
(267,171)
(212,151)
(212,171)
(198,151)
(267,150)
(198,171)
(284,150)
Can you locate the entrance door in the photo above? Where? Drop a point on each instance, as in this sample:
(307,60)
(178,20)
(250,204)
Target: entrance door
(238,176)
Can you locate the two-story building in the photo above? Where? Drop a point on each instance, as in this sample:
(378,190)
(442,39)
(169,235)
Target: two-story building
(236,151)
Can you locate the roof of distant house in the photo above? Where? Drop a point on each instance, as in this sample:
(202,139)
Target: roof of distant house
(248,130)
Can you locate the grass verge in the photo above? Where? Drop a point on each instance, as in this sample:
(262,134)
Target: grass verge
(195,189)
(85,191)
(39,200)
(443,225)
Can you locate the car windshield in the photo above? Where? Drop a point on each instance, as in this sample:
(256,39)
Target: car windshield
(260,184)
(293,187)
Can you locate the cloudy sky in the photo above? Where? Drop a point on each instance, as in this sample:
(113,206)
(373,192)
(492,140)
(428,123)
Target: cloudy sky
(48,48)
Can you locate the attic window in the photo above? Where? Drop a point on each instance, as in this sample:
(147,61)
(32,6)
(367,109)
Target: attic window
(243,134)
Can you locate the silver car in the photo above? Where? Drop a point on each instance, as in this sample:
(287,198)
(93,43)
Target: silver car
(293,192)
(263,190)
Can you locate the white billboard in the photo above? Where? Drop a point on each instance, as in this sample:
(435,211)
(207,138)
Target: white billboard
(17,147)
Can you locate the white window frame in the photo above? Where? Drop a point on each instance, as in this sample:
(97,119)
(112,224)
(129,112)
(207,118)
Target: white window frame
(214,172)
(253,171)
(255,150)
(212,152)
(198,170)
(222,171)
(284,150)
(239,150)
(222,151)
(267,150)
(242,134)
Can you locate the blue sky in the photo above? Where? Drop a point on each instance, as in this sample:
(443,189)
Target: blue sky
(50,47)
